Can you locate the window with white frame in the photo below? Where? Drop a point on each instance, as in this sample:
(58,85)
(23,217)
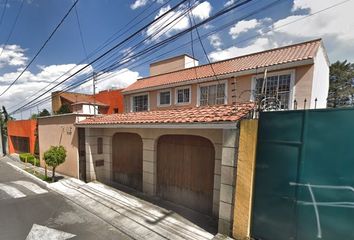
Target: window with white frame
(183,95)
(164,98)
(140,103)
(212,94)
(275,86)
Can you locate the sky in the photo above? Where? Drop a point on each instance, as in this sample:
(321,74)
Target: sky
(255,26)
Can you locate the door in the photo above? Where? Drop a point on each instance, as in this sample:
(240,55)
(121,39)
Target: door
(127,166)
(82,155)
(185,171)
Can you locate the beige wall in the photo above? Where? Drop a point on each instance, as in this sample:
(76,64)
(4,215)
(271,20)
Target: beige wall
(60,130)
(225,144)
(242,86)
(172,64)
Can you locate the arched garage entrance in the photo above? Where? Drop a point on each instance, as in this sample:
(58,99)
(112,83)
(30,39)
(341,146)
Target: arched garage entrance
(185,171)
(127,160)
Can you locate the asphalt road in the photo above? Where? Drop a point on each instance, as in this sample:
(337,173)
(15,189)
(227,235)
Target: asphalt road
(28,210)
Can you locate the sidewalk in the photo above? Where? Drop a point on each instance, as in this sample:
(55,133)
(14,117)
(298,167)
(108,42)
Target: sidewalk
(15,160)
(133,216)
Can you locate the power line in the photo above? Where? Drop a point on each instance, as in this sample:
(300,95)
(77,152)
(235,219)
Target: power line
(12,28)
(42,47)
(106,43)
(110,50)
(170,39)
(3,12)
(80,32)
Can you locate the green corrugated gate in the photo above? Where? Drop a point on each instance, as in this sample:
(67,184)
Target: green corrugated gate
(304,182)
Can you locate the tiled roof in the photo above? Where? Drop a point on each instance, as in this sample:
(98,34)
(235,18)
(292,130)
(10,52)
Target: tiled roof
(287,54)
(80,98)
(205,114)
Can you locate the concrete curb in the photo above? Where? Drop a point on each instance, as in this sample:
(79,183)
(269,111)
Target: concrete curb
(28,174)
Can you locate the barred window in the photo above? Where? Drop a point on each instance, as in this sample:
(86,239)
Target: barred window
(212,94)
(140,103)
(277,86)
(183,95)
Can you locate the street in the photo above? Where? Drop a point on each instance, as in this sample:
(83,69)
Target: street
(31,211)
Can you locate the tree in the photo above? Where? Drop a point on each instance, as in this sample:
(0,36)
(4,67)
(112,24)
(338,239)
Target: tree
(44,113)
(65,108)
(55,156)
(341,84)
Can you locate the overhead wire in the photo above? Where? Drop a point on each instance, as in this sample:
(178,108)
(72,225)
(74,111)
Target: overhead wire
(211,32)
(111,49)
(40,49)
(12,28)
(103,45)
(3,12)
(197,25)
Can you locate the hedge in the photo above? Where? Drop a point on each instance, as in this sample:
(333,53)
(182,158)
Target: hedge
(30,159)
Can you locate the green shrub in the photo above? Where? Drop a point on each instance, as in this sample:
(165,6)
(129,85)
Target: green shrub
(30,159)
(55,156)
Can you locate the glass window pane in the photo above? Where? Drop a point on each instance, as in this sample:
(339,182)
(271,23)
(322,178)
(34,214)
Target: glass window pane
(165,97)
(140,103)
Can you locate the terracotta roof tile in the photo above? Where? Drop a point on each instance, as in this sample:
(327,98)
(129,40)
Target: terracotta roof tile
(287,54)
(80,98)
(205,114)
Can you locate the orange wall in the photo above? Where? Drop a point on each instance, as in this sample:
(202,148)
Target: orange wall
(113,98)
(22,128)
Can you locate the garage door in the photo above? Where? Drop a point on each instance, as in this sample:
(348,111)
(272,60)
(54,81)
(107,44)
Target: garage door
(185,171)
(127,158)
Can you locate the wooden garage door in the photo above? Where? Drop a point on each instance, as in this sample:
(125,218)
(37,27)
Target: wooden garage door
(185,171)
(127,158)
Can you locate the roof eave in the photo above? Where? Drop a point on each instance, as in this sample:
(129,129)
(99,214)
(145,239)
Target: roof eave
(213,125)
(228,75)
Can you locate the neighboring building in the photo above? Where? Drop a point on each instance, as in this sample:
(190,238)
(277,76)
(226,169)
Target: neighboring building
(1,147)
(60,130)
(106,102)
(178,138)
(22,136)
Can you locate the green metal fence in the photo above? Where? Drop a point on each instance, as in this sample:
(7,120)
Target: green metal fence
(304,182)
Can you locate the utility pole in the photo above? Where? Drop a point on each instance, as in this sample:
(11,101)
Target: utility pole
(94,92)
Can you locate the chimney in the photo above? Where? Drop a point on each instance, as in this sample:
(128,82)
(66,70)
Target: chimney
(172,64)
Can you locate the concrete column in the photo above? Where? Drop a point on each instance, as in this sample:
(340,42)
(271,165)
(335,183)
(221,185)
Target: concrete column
(228,179)
(149,166)
(89,145)
(217,178)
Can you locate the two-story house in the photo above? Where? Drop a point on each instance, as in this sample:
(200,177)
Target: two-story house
(178,136)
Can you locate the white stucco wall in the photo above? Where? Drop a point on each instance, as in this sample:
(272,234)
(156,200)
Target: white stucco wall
(320,80)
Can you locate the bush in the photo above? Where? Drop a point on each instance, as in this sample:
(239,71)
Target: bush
(54,157)
(30,159)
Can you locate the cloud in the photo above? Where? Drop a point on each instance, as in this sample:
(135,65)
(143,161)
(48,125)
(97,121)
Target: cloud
(215,41)
(258,45)
(243,26)
(138,4)
(229,3)
(12,55)
(173,21)
(334,25)
(116,79)
(30,83)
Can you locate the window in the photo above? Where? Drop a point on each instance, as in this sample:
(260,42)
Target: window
(99,145)
(212,94)
(183,95)
(116,110)
(164,98)
(140,103)
(277,87)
